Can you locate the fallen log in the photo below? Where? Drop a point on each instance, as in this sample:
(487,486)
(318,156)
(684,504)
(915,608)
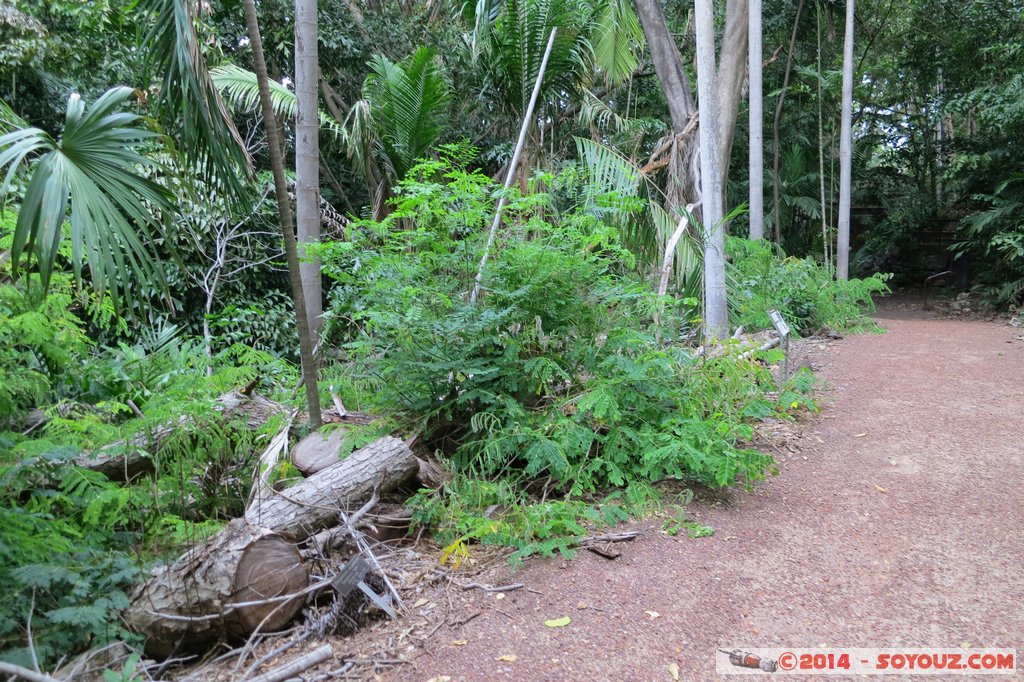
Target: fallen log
(238,581)
(126,459)
(314,503)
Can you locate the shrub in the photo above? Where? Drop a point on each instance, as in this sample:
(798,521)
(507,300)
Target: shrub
(803,290)
(559,381)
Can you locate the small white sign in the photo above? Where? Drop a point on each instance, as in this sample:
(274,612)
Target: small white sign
(780,323)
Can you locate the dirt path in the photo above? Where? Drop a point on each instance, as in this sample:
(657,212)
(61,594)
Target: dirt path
(897,523)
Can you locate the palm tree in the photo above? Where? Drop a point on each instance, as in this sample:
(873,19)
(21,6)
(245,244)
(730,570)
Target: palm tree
(398,120)
(716,311)
(92,178)
(756,152)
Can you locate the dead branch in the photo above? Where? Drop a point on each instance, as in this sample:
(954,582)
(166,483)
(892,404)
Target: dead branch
(298,665)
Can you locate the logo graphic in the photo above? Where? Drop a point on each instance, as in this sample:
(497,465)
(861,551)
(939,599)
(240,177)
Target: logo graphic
(744,659)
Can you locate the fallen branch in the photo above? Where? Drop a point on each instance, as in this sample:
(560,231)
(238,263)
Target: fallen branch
(25,673)
(123,460)
(489,588)
(603,553)
(298,665)
(610,537)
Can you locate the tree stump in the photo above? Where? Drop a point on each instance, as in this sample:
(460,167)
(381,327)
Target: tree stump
(189,604)
(315,502)
(317,451)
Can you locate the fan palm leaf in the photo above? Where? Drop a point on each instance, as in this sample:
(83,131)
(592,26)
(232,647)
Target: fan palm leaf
(92,178)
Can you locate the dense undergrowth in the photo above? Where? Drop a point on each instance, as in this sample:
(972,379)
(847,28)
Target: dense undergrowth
(560,400)
(569,389)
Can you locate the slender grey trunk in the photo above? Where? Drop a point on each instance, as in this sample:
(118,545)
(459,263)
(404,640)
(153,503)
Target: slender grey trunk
(756,155)
(825,240)
(846,151)
(776,127)
(285,213)
(307,157)
(716,313)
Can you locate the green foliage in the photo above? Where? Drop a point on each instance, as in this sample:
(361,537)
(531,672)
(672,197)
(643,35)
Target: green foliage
(558,378)
(240,88)
(65,536)
(406,104)
(90,177)
(995,236)
(803,290)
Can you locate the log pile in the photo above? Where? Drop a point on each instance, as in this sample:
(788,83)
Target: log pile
(251,577)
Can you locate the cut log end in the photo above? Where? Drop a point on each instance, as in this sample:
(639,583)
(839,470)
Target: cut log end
(191,603)
(269,567)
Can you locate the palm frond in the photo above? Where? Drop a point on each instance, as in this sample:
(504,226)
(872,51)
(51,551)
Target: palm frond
(189,101)
(688,262)
(617,39)
(92,175)
(239,87)
(595,112)
(406,103)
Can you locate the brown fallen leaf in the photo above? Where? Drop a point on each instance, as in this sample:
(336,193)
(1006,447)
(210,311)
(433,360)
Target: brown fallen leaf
(880,489)
(420,602)
(460,642)
(860,435)
(507,658)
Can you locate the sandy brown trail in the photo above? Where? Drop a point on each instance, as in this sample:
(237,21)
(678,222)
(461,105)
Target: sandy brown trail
(899,522)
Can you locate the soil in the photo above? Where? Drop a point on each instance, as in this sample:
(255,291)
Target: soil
(894,521)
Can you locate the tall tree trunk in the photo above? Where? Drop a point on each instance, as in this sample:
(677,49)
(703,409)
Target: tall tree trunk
(716,313)
(756,154)
(284,213)
(684,169)
(846,151)
(826,242)
(307,156)
(732,70)
(776,128)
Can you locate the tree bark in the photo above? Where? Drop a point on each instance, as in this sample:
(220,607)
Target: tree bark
(732,68)
(285,214)
(684,169)
(125,460)
(685,185)
(756,152)
(716,313)
(307,157)
(846,151)
(191,603)
(314,503)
